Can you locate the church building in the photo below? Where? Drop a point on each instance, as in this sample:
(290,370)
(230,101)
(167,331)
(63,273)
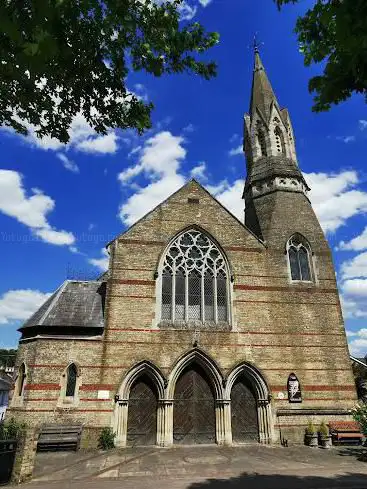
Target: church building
(205,329)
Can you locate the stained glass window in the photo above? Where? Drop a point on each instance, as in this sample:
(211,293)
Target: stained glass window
(194,280)
(71,375)
(299,259)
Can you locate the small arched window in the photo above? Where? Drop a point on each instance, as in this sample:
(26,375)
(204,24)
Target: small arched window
(194,280)
(71,376)
(279,140)
(262,142)
(21,380)
(299,257)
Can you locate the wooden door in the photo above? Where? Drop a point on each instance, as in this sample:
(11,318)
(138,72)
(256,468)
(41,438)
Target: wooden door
(142,413)
(194,408)
(244,412)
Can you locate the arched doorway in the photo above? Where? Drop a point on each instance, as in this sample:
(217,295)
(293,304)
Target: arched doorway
(244,413)
(142,412)
(194,407)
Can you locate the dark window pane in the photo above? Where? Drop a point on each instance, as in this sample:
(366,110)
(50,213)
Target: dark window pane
(293,262)
(21,379)
(194,296)
(209,297)
(304,264)
(167,296)
(180,296)
(71,380)
(222,297)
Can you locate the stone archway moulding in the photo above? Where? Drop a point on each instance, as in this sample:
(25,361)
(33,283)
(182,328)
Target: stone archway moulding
(166,391)
(262,396)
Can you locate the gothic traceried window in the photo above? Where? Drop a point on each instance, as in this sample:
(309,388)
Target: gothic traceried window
(279,140)
(299,259)
(71,375)
(194,280)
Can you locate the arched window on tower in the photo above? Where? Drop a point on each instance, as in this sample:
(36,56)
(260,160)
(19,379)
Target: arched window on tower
(71,378)
(20,383)
(194,280)
(262,142)
(279,140)
(299,258)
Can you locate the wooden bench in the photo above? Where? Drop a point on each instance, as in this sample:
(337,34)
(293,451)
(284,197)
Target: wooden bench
(346,432)
(59,437)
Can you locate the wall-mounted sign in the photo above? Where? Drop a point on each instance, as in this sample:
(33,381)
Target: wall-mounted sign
(294,389)
(103,395)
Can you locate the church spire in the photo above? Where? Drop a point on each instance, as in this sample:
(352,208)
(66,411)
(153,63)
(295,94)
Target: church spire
(270,151)
(262,94)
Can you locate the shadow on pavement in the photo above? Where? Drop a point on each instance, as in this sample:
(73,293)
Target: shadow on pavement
(260,481)
(359,453)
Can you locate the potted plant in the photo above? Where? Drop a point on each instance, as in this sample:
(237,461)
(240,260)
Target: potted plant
(311,437)
(325,435)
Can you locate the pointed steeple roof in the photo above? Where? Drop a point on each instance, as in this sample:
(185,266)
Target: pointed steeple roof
(262,94)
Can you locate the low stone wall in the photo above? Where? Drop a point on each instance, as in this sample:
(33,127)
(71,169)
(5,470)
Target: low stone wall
(25,456)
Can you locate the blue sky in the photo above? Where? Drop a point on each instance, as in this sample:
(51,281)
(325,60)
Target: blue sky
(60,205)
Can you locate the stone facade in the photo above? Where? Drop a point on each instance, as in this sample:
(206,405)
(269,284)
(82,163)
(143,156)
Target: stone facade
(275,326)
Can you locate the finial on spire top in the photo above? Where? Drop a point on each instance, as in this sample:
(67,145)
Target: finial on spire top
(256,44)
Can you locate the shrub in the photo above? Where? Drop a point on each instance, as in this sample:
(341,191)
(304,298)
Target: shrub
(323,429)
(360,415)
(106,439)
(310,430)
(11,429)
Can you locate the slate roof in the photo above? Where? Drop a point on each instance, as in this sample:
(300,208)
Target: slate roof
(359,360)
(75,303)
(262,94)
(5,385)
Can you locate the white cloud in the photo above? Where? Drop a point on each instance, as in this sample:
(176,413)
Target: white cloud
(189,128)
(198,172)
(346,139)
(187,11)
(82,138)
(140,92)
(20,304)
(101,144)
(356,267)
(362,124)
(149,197)
(160,161)
(101,263)
(358,243)
(335,199)
(205,3)
(54,237)
(236,151)
(31,211)
(67,163)
(230,195)
(358,342)
(355,287)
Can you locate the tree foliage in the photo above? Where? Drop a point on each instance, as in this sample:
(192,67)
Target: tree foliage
(7,357)
(334,32)
(64,57)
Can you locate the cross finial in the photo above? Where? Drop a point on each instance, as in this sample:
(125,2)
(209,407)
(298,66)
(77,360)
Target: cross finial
(256,44)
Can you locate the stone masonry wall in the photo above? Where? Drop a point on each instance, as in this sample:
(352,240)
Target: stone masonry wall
(278,327)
